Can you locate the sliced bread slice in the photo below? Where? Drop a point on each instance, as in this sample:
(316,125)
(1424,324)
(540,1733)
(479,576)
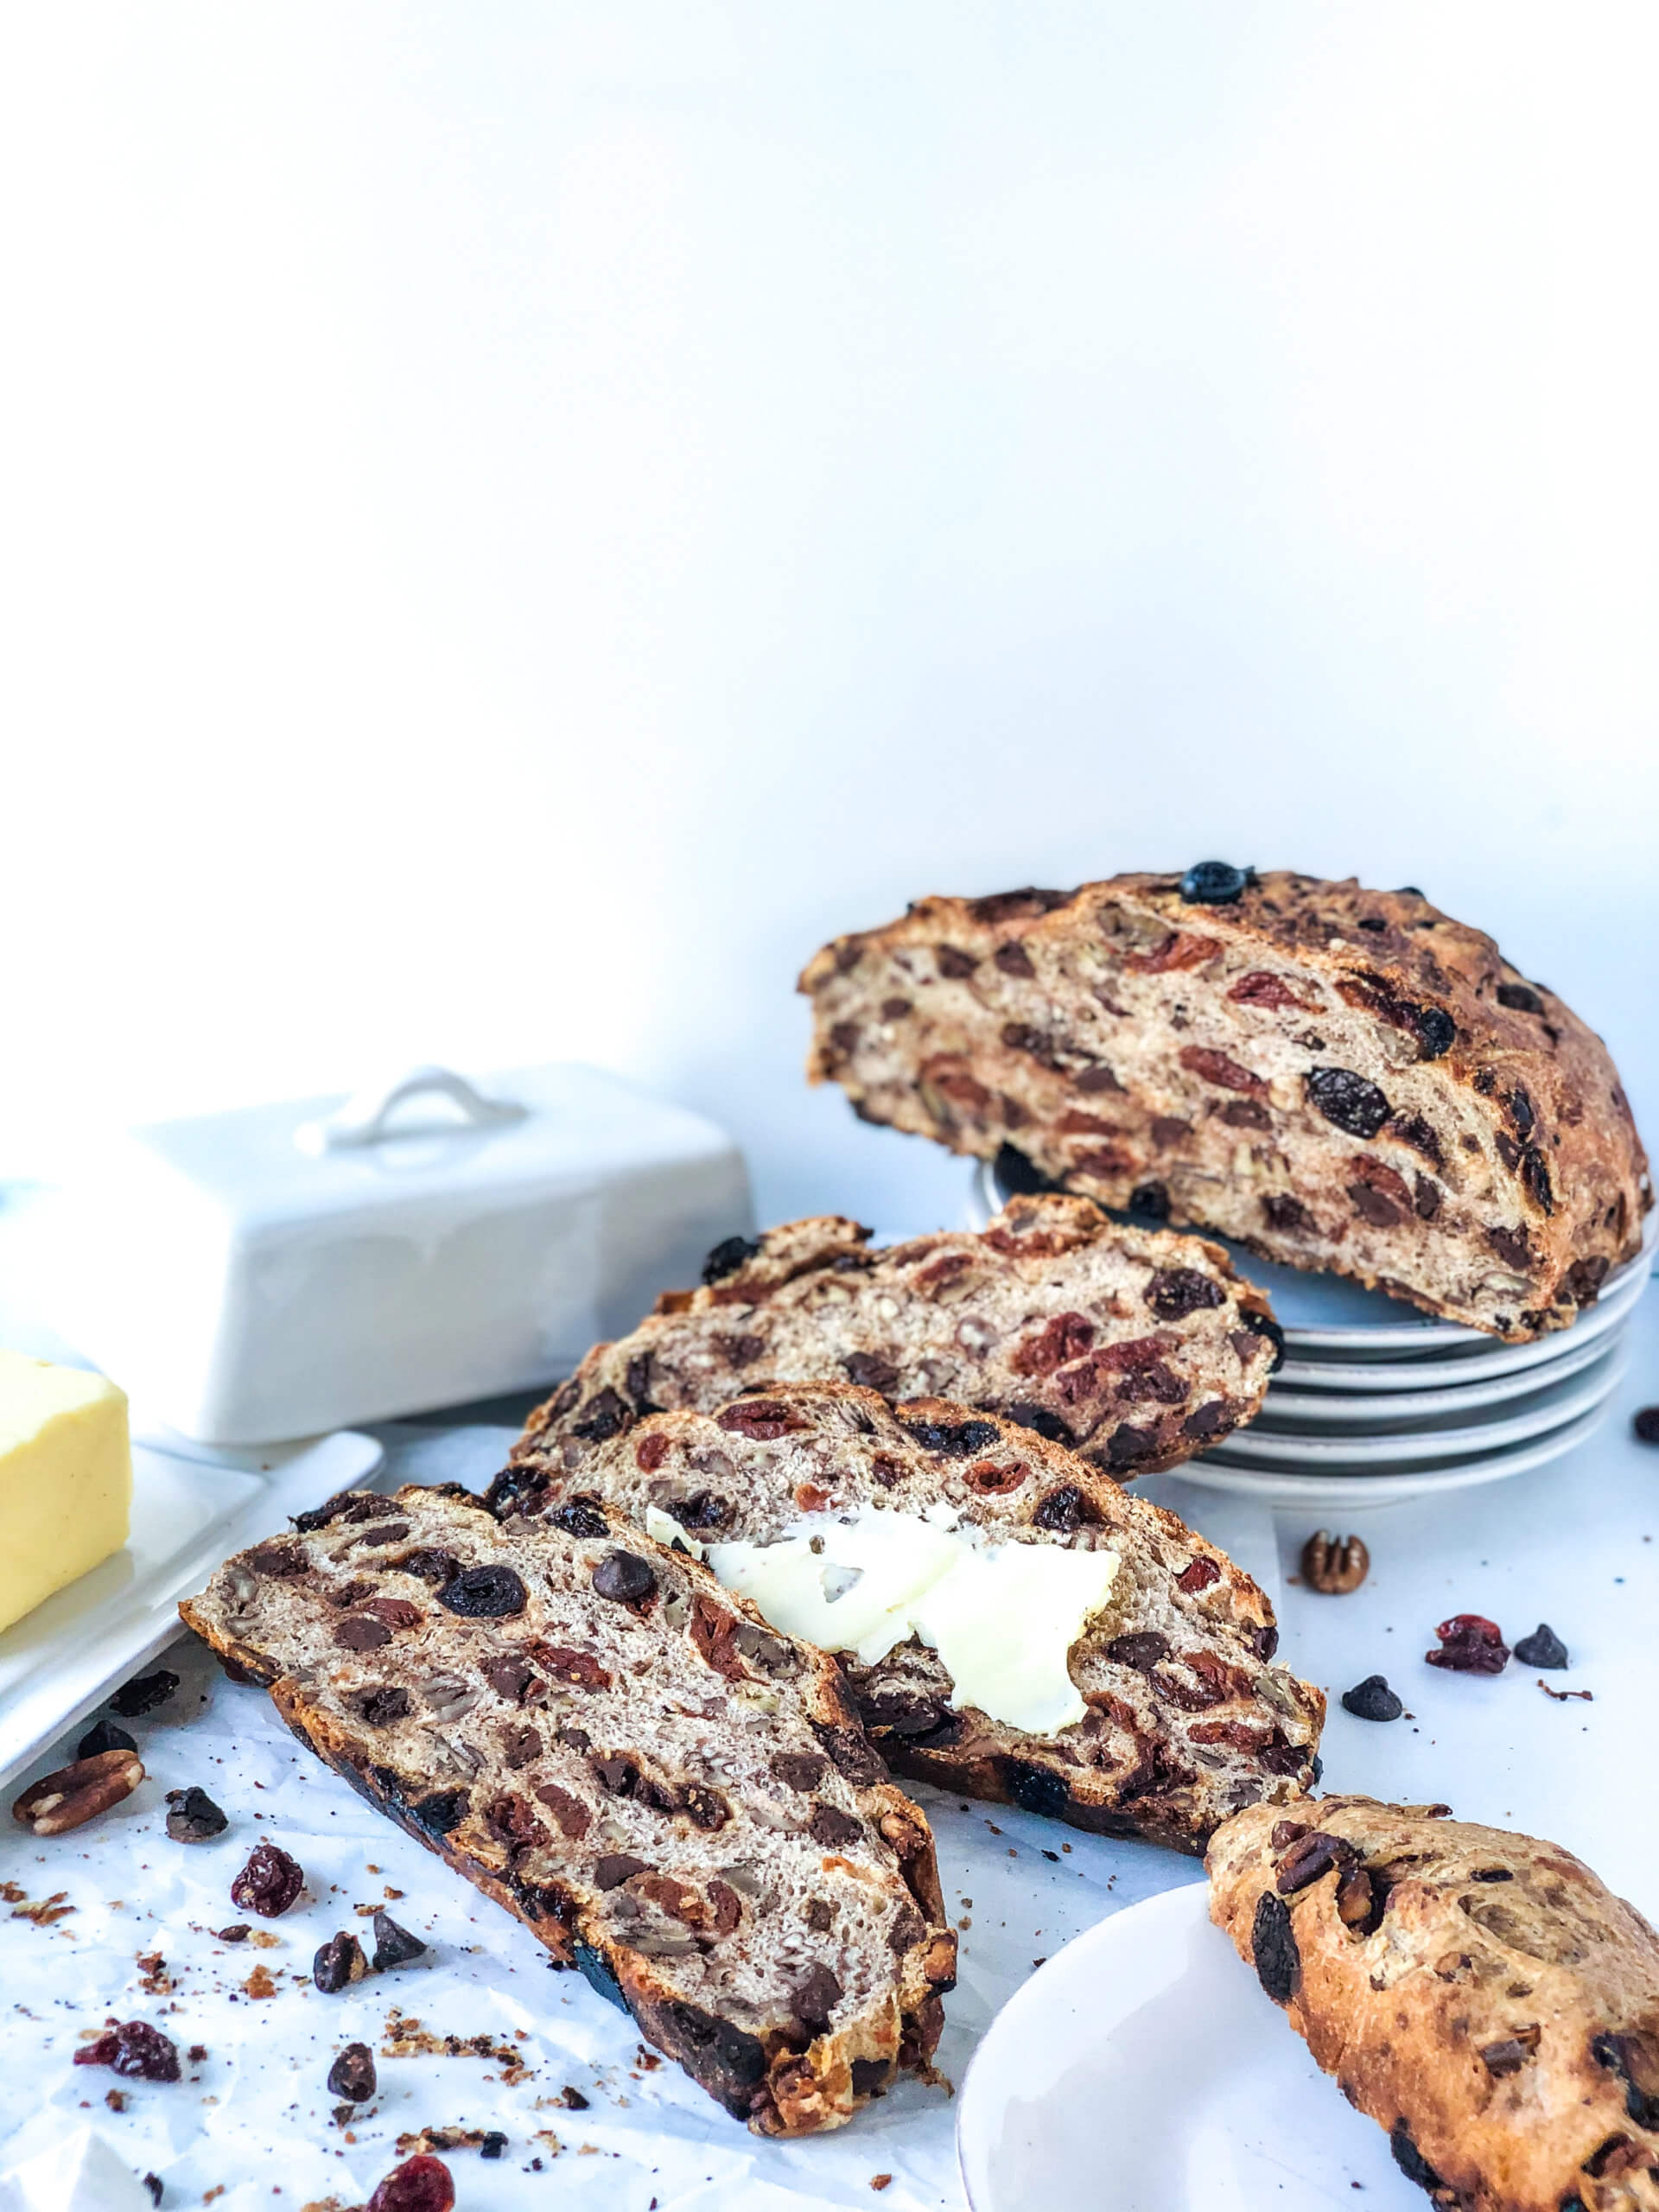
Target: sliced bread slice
(1139,1347)
(1148,1703)
(677,1800)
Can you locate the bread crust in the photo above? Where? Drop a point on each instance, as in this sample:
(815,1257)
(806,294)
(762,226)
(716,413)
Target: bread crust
(1487,1999)
(1139,1347)
(1502,1181)
(1188,1715)
(780,2081)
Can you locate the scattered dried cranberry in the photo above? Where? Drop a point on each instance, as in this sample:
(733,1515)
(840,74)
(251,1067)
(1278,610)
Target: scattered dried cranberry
(144,1693)
(352,2075)
(1470,1645)
(194,1817)
(1372,1699)
(624,1576)
(1214,883)
(135,2050)
(484,1593)
(394,1946)
(420,2184)
(1646,1425)
(103,1736)
(1543,1648)
(269,1882)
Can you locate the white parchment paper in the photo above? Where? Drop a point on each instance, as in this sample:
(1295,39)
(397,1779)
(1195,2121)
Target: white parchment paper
(253,2119)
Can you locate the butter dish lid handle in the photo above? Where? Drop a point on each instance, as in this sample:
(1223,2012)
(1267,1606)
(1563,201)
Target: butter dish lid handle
(366,1117)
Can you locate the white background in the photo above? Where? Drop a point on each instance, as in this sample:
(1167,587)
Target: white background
(519,520)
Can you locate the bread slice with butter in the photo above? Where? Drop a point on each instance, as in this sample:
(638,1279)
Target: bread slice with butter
(65,1479)
(1013,1625)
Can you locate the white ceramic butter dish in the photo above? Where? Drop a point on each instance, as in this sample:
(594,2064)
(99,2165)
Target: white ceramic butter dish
(286,1269)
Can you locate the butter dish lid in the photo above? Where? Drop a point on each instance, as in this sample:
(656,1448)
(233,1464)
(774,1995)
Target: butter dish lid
(427,1132)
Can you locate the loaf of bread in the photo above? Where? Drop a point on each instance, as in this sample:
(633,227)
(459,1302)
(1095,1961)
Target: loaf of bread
(678,1801)
(1137,1346)
(1479,1993)
(1181,1715)
(1341,1078)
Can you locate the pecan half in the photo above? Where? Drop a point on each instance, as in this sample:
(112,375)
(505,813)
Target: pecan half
(1334,1565)
(77,1794)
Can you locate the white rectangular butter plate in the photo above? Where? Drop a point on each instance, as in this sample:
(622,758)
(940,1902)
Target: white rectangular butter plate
(191,1508)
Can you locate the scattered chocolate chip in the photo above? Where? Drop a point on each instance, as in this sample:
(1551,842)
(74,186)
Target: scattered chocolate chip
(1142,1651)
(1334,1565)
(103,1736)
(1372,1699)
(573,2100)
(238,1932)
(1543,1648)
(194,1817)
(1520,998)
(1151,1200)
(153,2183)
(493,2144)
(1214,883)
(1469,1645)
(624,1576)
(395,1946)
(1273,1947)
(269,1882)
(1509,2055)
(728,1256)
(352,2075)
(338,1962)
(144,1693)
(1646,1425)
(134,2050)
(1348,1100)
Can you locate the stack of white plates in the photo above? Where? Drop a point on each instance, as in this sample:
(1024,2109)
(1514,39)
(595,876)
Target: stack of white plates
(1375,1403)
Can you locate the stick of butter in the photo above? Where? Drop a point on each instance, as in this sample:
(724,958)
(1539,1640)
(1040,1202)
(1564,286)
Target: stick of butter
(1002,1619)
(65,1479)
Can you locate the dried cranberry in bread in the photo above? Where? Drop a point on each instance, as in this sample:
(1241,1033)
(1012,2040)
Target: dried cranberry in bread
(1187,1718)
(1341,1078)
(1479,1993)
(1138,1346)
(678,1802)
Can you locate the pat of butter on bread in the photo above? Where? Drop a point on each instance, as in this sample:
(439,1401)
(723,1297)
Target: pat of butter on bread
(65,1479)
(1002,1619)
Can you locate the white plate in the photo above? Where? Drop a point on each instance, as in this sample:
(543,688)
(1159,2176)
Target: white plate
(1322,1313)
(1297,1409)
(1550,1410)
(1610,1312)
(1143,2071)
(1326,1490)
(191,1508)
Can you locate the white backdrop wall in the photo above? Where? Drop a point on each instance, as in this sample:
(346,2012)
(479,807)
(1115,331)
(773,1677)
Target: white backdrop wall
(518,520)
